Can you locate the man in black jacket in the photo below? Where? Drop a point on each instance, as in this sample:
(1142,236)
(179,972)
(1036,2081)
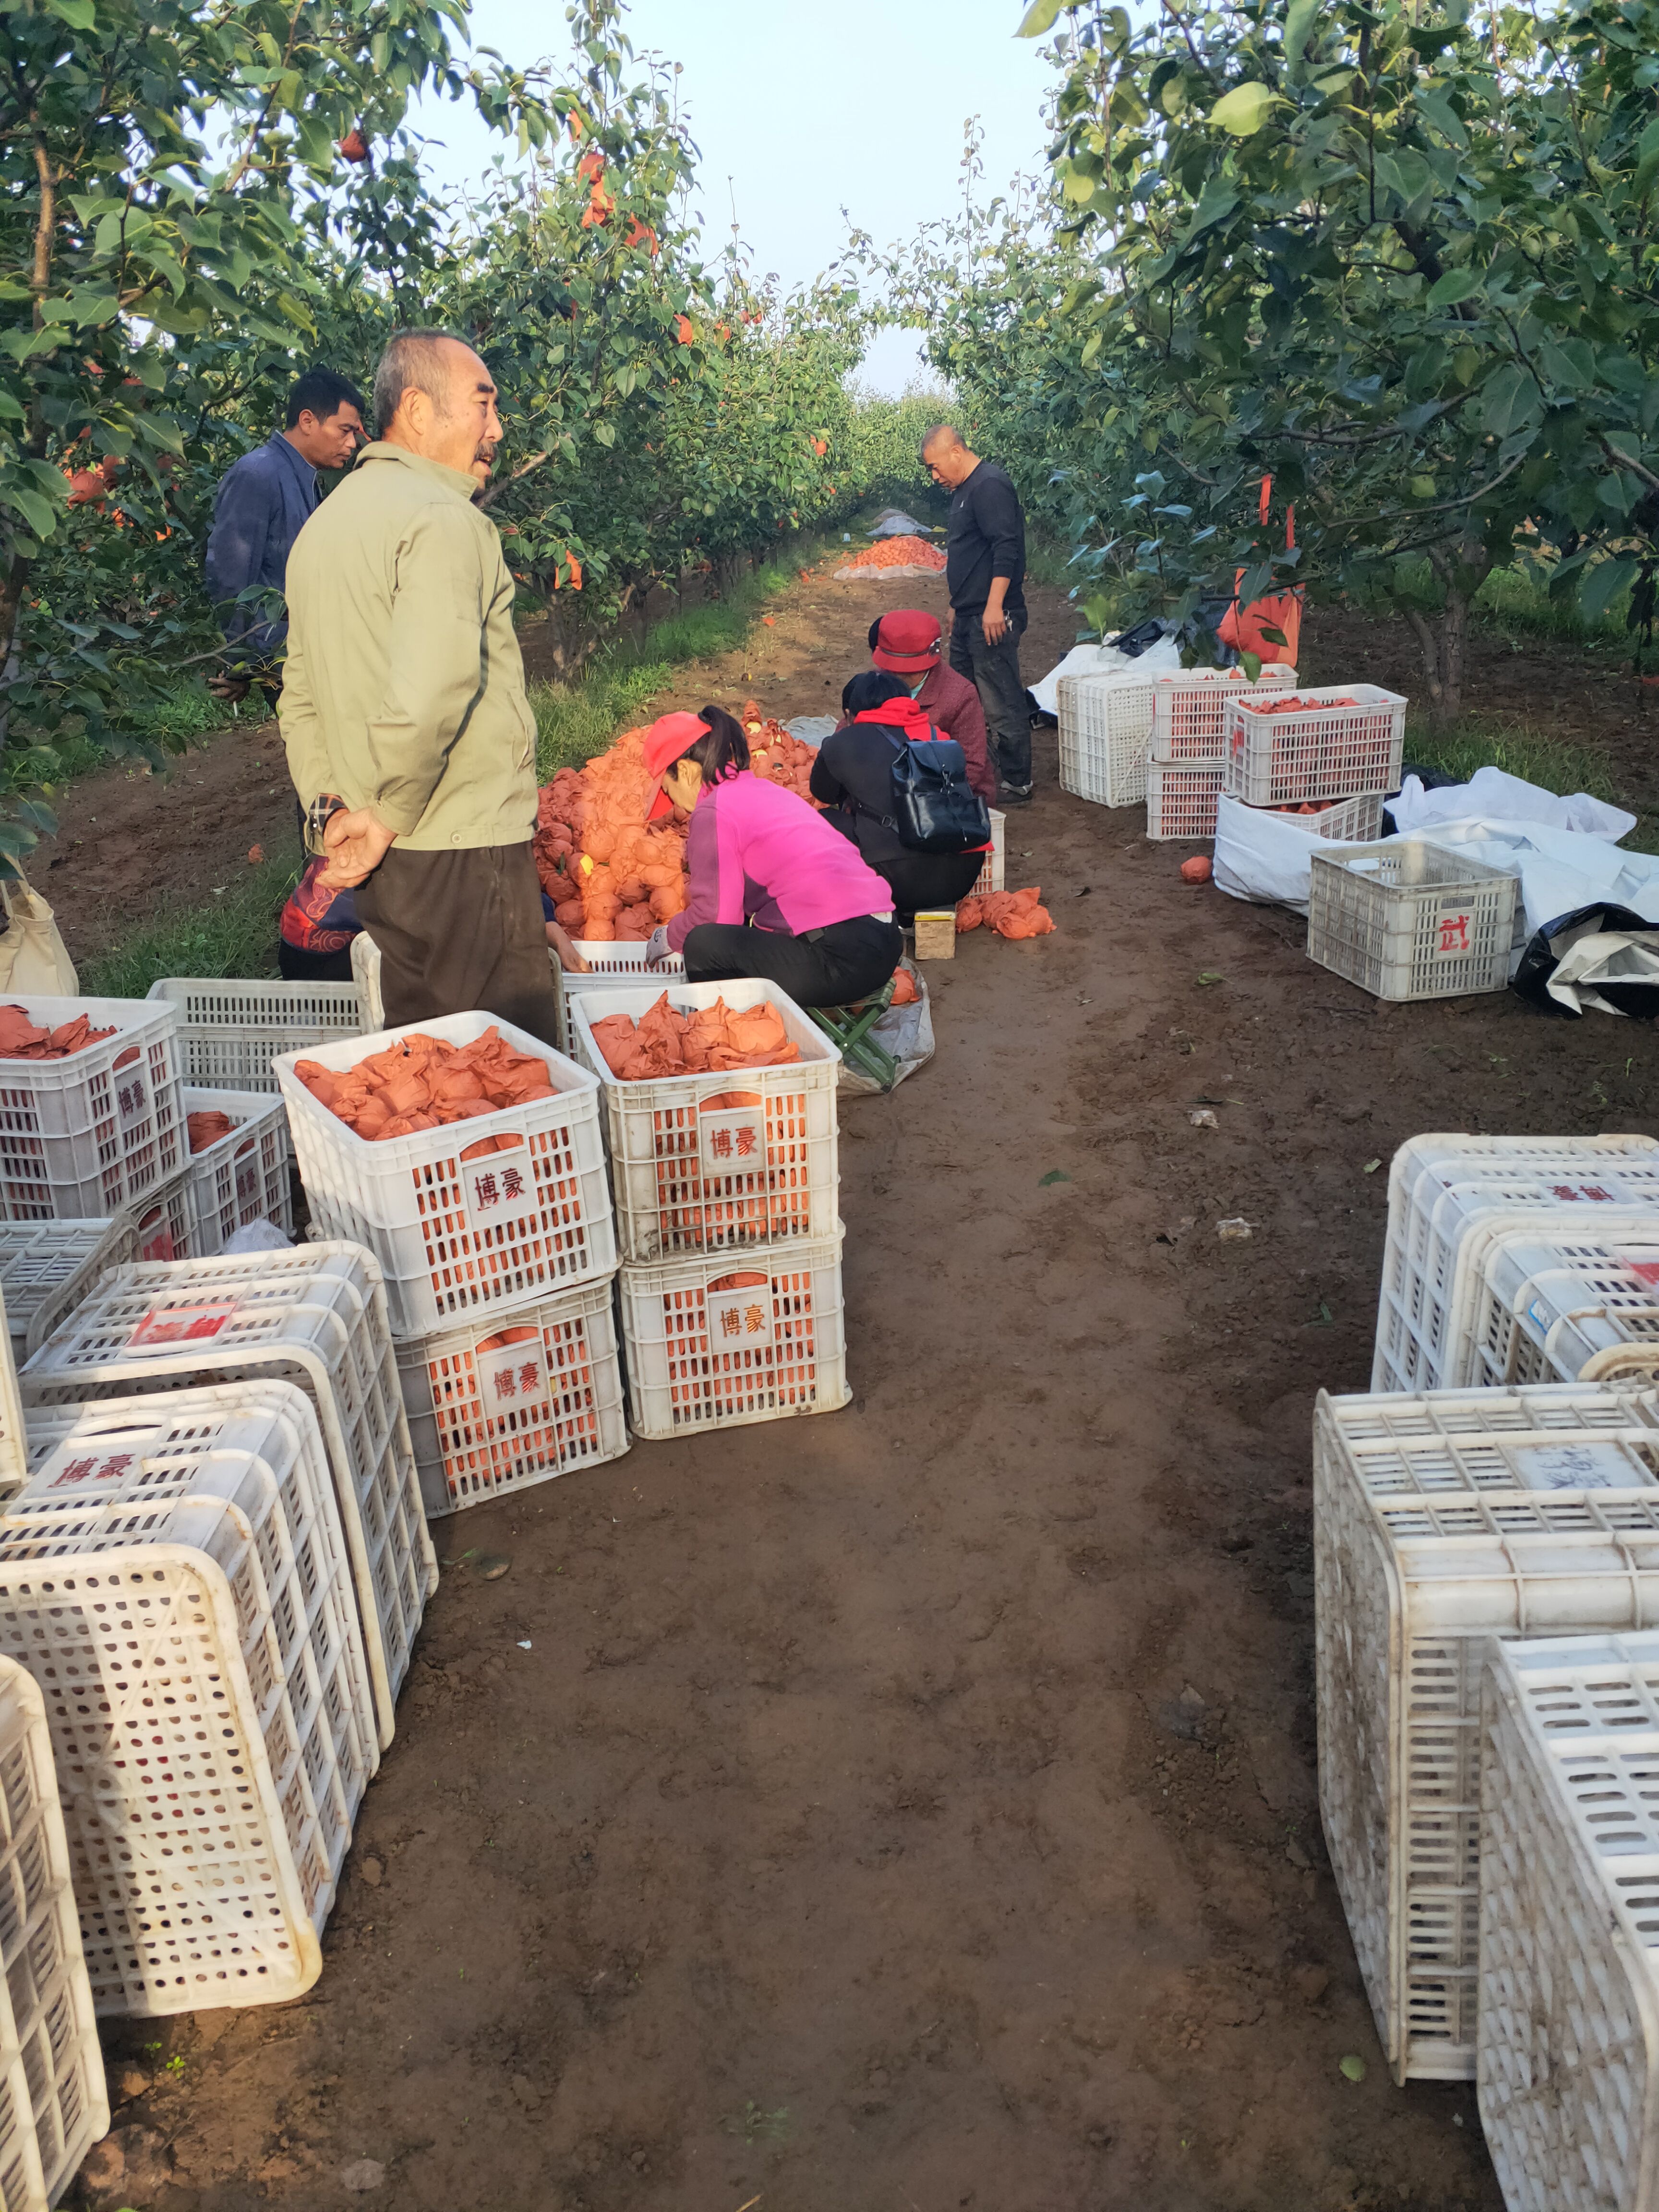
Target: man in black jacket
(985,569)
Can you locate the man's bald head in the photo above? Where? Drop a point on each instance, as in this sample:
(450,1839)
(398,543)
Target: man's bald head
(944,456)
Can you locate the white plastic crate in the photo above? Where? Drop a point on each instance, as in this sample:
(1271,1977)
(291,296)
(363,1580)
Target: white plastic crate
(1322,752)
(608,967)
(1405,918)
(1189,709)
(174,1577)
(991,876)
(244,1177)
(512,1402)
(1441,1521)
(314,1318)
(1549,1310)
(1569,2014)
(471,1218)
(1345,821)
(100,1130)
(728,1162)
(1105,728)
(1180,802)
(46,1268)
(1450,1194)
(230,1028)
(164,1223)
(14,1445)
(53,2106)
(366,974)
(719,1343)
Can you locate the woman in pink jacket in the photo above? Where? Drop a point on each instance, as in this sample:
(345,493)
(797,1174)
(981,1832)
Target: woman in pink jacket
(774,890)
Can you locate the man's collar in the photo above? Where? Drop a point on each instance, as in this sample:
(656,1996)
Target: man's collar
(460,480)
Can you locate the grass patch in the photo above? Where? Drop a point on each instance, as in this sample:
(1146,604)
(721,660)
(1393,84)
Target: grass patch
(235,934)
(1537,756)
(170,724)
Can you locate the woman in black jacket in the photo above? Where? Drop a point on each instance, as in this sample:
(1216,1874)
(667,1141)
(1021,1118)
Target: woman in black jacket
(853,777)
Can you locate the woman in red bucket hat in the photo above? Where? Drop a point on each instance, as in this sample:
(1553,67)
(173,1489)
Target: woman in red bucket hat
(907,643)
(773,889)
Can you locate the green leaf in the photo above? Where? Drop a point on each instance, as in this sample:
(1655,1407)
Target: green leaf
(1244,109)
(1454,287)
(1298,22)
(79,14)
(1434,105)
(1510,399)
(37,513)
(1039,17)
(1352,2068)
(1055,1174)
(1601,585)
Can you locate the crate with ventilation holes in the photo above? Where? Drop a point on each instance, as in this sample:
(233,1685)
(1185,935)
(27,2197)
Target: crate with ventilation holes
(97,1131)
(1551,1307)
(473,1216)
(1568,2025)
(1189,709)
(1336,743)
(1448,1192)
(1443,1520)
(718,1343)
(724,1162)
(204,1522)
(1407,920)
(504,1404)
(314,1317)
(46,1268)
(53,2105)
(230,1028)
(1181,801)
(242,1176)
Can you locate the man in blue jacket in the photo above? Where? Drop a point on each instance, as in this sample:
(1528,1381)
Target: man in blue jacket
(262,505)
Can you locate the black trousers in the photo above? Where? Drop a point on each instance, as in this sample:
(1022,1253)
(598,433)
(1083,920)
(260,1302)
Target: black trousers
(833,966)
(928,880)
(295,965)
(460,931)
(994,671)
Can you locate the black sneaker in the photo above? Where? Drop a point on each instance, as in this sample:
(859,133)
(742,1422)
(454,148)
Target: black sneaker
(1015,794)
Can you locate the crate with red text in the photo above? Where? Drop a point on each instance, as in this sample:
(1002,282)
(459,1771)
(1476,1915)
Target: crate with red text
(314,1317)
(1189,709)
(100,1129)
(198,1528)
(716,1343)
(471,1218)
(1405,918)
(725,1162)
(1554,1307)
(514,1400)
(1336,743)
(1450,1194)
(242,1176)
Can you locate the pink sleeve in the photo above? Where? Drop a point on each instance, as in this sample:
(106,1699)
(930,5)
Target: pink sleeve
(702,888)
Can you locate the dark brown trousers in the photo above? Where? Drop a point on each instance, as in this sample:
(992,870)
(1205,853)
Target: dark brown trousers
(459,932)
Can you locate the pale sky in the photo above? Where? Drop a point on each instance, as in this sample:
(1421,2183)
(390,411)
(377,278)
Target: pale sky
(807,109)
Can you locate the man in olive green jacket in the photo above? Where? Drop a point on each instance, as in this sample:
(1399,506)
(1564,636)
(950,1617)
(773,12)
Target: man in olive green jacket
(409,739)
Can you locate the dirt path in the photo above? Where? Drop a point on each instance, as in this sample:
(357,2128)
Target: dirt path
(912,1809)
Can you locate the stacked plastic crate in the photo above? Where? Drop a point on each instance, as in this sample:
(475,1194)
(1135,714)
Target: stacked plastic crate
(1107,751)
(173,1560)
(726,1189)
(1188,745)
(1322,762)
(496,1239)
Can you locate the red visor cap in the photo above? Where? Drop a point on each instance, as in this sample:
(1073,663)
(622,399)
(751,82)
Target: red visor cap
(906,642)
(668,739)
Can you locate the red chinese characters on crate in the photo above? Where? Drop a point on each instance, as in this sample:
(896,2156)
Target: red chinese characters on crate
(423,1082)
(20,1039)
(664,1042)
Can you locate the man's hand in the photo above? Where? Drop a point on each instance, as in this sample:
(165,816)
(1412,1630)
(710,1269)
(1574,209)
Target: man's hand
(356,842)
(230,688)
(994,621)
(569,959)
(656,946)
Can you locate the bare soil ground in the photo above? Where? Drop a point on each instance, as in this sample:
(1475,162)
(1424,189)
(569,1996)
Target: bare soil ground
(914,1807)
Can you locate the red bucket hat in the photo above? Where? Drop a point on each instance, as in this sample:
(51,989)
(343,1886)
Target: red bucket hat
(905,642)
(669,738)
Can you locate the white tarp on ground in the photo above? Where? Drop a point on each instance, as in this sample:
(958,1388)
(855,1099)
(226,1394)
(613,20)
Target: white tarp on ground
(1493,796)
(1561,870)
(1260,855)
(1162,659)
(894,522)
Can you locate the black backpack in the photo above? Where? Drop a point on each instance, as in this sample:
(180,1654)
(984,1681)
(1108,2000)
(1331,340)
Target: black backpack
(935,808)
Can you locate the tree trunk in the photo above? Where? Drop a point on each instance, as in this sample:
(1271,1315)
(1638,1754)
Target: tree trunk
(1443,639)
